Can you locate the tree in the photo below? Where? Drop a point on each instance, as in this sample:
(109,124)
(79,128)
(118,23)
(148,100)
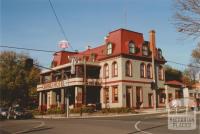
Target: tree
(196,55)
(17,82)
(172,74)
(187,17)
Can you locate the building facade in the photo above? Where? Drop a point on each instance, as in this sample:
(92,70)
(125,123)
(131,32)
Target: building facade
(118,73)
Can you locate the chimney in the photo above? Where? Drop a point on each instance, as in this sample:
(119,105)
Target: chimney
(152,39)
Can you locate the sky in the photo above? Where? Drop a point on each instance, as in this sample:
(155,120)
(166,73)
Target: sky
(32,24)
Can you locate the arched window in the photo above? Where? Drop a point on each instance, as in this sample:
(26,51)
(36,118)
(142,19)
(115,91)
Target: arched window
(109,48)
(131,46)
(106,71)
(160,73)
(142,70)
(114,69)
(145,50)
(128,68)
(149,71)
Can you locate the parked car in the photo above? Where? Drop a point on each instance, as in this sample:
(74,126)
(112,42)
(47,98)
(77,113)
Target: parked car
(3,112)
(18,113)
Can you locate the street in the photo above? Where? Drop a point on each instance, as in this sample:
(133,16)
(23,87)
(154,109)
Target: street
(145,124)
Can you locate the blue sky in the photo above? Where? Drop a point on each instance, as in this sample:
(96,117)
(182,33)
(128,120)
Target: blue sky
(32,24)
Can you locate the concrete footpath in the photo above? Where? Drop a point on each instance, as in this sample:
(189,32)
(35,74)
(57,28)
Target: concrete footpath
(162,112)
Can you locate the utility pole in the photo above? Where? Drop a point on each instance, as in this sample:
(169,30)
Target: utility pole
(154,69)
(85,73)
(67,103)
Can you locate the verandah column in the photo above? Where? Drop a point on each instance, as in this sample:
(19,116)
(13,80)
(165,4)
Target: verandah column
(40,101)
(62,98)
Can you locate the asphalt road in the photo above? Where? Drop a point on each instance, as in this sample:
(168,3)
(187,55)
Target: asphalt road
(145,124)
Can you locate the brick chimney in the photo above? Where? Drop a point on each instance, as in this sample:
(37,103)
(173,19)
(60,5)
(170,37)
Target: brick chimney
(152,40)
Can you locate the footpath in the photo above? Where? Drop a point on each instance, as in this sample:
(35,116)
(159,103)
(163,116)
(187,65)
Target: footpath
(159,111)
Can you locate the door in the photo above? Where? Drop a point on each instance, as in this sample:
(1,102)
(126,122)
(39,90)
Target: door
(138,97)
(128,104)
(150,96)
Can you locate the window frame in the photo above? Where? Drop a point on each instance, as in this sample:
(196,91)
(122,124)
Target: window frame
(160,73)
(115,94)
(143,70)
(131,46)
(128,67)
(109,48)
(149,71)
(106,70)
(114,69)
(145,50)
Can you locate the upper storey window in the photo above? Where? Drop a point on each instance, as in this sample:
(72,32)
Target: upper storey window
(159,53)
(128,68)
(109,48)
(145,50)
(142,70)
(114,69)
(106,71)
(131,46)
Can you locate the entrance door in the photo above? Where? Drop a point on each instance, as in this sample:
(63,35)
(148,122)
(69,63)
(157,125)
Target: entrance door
(150,95)
(128,104)
(138,97)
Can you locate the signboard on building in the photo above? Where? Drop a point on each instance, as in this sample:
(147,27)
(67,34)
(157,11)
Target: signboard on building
(51,85)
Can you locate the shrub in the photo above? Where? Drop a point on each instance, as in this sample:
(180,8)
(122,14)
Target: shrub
(117,110)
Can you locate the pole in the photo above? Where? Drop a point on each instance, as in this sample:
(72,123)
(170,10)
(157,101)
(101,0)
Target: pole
(67,104)
(84,90)
(154,80)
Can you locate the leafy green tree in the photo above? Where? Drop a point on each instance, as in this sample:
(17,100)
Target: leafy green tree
(172,74)
(17,83)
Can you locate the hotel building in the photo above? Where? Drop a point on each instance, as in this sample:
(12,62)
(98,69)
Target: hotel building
(116,74)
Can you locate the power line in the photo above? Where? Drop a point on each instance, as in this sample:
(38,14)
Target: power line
(59,23)
(183,64)
(30,49)
(40,50)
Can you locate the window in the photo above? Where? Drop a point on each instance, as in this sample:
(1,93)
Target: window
(106,95)
(115,94)
(131,47)
(109,48)
(106,71)
(160,73)
(145,50)
(128,68)
(149,71)
(159,53)
(114,69)
(142,70)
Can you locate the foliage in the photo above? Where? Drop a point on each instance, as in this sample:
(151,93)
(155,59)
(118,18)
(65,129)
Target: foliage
(172,74)
(84,110)
(187,16)
(17,82)
(55,110)
(117,110)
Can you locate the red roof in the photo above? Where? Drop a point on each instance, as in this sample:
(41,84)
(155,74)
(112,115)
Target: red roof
(174,83)
(119,38)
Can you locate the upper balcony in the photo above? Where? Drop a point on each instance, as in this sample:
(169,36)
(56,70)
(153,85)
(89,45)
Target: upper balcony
(64,77)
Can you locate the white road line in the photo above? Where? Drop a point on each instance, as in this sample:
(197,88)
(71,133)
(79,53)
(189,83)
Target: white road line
(138,129)
(26,130)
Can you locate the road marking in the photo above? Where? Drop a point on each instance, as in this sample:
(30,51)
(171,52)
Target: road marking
(138,129)
(26,130)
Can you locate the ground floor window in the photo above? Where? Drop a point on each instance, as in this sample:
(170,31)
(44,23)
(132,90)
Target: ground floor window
(115,94)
